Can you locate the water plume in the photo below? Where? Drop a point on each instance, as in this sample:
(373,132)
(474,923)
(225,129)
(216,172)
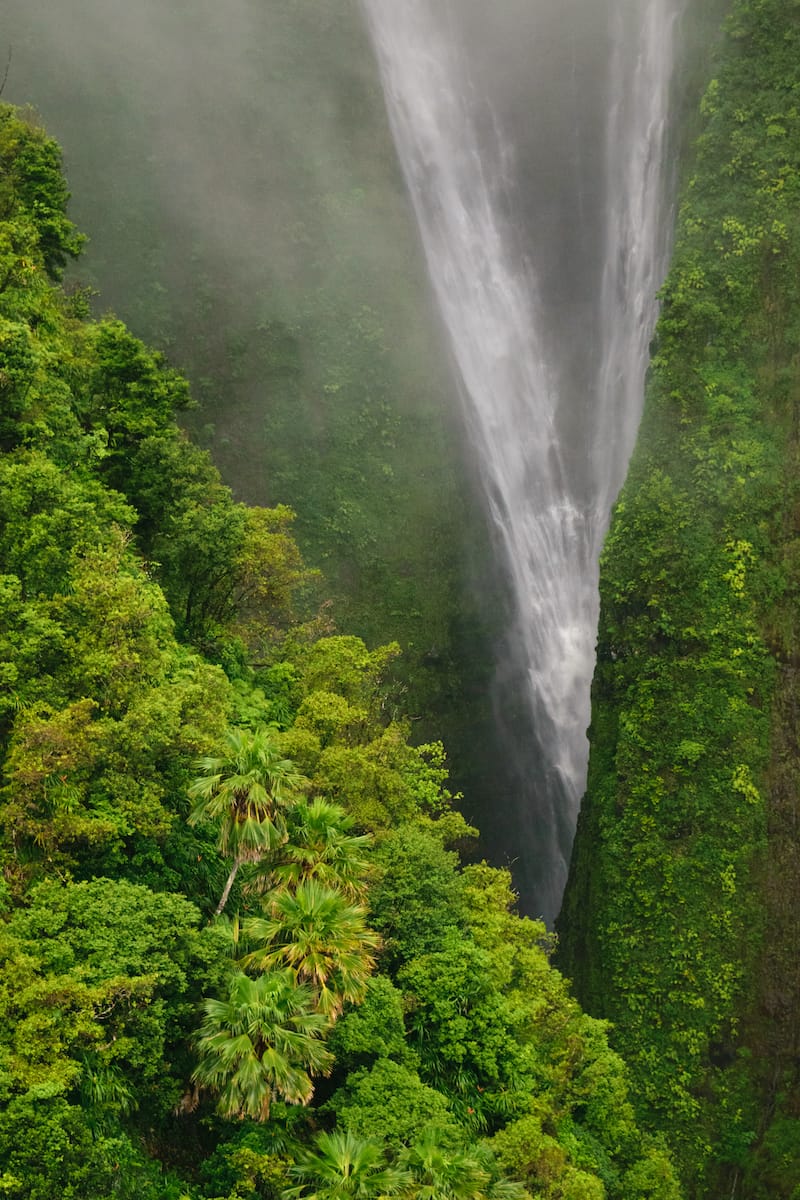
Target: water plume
(548,293)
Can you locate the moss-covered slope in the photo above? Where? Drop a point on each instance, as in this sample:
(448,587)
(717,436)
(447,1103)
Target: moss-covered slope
(680,922)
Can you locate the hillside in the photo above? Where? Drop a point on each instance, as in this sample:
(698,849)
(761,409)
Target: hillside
(681,923)
(240,953)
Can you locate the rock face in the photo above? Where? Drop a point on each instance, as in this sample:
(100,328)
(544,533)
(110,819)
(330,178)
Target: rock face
(680,922)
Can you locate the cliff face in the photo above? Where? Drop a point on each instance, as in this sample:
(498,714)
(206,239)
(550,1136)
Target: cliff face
(681,918)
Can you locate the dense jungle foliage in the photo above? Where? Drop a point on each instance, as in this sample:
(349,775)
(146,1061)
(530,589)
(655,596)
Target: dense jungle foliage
(236,173)
(681,919)
(241,956)
(276,262)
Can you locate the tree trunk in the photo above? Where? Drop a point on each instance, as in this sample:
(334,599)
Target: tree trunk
(226,891)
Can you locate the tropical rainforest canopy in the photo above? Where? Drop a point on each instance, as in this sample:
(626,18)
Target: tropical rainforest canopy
(249,945)
(240,954)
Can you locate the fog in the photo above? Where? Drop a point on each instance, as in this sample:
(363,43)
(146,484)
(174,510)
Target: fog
(229,118)
(232,164)
(233,168)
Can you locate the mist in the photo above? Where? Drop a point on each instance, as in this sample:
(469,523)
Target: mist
(234,169)
(231,119)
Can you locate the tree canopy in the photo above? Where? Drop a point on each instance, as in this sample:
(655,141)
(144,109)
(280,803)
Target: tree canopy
(182,732)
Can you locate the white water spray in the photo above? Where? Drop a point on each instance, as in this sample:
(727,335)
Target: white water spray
(551,460)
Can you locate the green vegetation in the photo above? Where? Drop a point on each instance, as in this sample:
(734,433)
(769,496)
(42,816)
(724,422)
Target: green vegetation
(244,791)
(276,262)
(183,733)
(680,922)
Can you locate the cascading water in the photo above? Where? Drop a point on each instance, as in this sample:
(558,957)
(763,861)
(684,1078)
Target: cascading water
(547,292)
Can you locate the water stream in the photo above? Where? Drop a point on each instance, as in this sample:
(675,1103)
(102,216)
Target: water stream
(533,141)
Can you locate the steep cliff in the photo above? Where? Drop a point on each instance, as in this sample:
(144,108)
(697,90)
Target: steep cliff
(681,919)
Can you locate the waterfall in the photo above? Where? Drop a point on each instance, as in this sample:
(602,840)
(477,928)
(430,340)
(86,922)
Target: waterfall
(544,236)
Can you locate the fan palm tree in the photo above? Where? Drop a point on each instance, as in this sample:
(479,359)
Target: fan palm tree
(439,1171)
(344,1167)
(320,846)
(247,788)
(323,938)
(263,1040)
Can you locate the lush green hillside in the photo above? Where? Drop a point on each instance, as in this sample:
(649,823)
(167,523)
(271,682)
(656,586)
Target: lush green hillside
(265,242)
(681,917)
(240,956)
(246,215)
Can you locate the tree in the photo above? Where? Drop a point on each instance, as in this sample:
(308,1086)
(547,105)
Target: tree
(321,937)
(345,1167)
(134,961)
(263,1040)
(418,901)
(389,1101)
(247,788)
(30,165)
(320,846)
(439,1171)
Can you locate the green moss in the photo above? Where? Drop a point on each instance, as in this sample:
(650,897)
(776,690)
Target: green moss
(666,913)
